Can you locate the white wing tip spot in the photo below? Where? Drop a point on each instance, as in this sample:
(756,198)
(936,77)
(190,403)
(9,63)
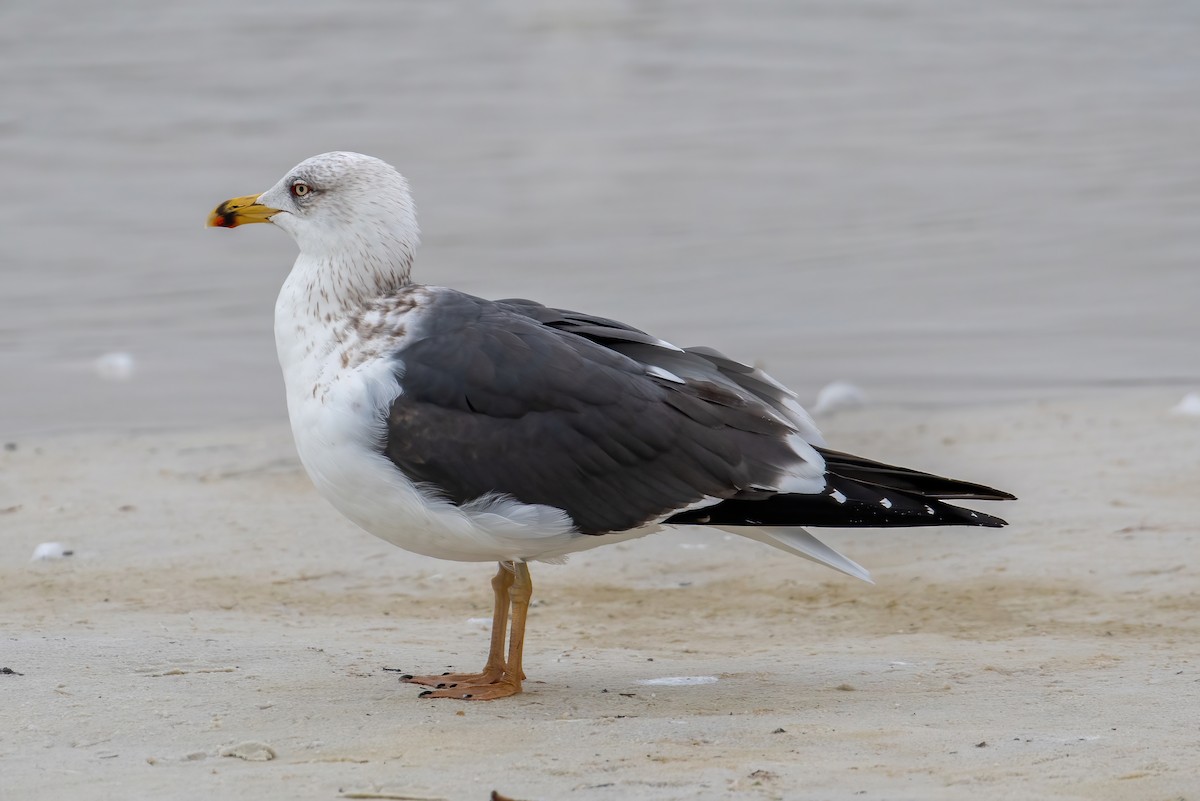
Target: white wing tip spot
(886,503)
(838,496)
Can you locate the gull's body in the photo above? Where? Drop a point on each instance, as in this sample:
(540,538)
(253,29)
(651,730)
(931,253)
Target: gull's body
(476,430)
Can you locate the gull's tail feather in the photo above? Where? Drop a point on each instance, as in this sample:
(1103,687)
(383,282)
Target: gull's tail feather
(799,542)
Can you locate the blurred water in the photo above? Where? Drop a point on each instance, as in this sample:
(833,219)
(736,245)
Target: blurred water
(941,201)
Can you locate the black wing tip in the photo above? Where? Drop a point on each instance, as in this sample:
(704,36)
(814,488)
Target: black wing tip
(979,518)
(821,511)
(847,466)
(972,492)
(844,503)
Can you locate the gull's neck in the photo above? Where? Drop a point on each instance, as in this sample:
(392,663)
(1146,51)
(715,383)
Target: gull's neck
(322,288)
(331,283)
(325,292)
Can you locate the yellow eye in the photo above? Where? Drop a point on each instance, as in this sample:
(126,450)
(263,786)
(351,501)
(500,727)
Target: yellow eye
(300,189)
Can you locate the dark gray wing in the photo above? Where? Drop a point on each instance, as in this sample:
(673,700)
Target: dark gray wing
(697,365)
(858,492)
(493,400)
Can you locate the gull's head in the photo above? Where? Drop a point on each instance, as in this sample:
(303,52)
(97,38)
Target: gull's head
(335,205)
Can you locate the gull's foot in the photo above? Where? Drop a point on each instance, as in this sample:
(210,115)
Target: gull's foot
(502,687)
(451,680)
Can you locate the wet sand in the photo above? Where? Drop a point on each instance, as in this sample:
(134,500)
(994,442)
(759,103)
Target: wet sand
(213,601)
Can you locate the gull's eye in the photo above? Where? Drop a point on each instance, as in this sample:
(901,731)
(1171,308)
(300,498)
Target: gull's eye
(300,189)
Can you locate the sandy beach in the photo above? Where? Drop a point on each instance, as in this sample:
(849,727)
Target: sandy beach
(215,612)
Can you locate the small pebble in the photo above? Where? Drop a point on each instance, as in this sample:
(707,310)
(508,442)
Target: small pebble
(50,550)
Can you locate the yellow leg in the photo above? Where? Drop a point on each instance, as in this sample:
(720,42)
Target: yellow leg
(489,688)
(501,583)
(522,591)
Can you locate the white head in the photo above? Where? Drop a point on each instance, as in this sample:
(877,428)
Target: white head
(347,212)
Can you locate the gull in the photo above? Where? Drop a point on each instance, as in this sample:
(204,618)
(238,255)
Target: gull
(508,431)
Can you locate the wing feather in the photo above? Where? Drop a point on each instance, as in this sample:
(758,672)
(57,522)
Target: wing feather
(494,400)
(618,429)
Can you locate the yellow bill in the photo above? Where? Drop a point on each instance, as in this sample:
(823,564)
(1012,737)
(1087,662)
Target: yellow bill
(240,211)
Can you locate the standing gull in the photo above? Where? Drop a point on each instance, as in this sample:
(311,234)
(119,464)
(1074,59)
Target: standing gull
(508,431)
